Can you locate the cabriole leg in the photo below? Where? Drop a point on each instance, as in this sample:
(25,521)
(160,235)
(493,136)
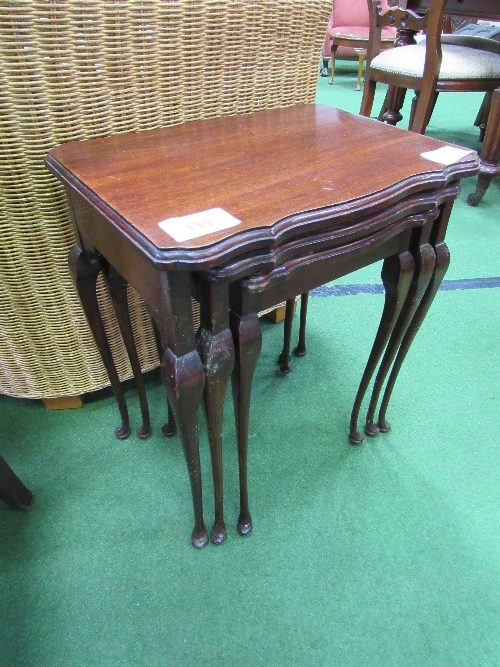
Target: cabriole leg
(117,288)
(284,358)
(85,268)
(170,428)
(425,260)
(442,263)
(300,350)
(247,343)
(216,349)
(184,379)
(397,272)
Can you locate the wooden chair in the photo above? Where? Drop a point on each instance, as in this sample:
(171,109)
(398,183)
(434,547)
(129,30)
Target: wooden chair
(472,56)
(347,35)
(489,166)
(428,68)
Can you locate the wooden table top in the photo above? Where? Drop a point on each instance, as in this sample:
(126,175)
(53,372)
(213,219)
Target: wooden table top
(269,169)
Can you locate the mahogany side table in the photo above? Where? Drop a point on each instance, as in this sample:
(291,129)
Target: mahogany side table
(307,194)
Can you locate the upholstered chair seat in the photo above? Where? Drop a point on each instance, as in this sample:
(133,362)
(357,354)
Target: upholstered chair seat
(359,32)
(458,63)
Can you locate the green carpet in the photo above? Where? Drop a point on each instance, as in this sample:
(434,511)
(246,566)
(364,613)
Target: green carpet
(387,554)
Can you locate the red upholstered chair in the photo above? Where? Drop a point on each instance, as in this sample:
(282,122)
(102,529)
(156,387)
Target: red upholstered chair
(347,34)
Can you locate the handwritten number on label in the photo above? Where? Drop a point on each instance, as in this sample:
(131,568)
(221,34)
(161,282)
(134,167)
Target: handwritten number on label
(200,225)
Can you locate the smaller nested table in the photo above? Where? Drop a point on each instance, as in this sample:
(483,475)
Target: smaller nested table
(244,212)
(359,43)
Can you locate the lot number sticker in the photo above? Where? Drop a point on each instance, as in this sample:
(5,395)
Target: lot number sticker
(446,155)
(192,226)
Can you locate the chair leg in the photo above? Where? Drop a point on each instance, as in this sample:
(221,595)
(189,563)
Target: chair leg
(368,96)
(490,154)
(414,105)
(361,55)
(482,114)
(383,108)
(423,111)
(324,70)
(334,51)
(394,100)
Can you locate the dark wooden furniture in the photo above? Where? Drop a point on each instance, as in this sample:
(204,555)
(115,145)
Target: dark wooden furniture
(478,9)
(287,175)
(490,153)
(12,490)
(406,69)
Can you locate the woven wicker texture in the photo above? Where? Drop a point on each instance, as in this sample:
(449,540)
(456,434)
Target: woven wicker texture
(79,69)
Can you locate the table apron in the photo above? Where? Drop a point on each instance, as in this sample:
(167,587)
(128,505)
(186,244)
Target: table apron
(299,276)
(96,234)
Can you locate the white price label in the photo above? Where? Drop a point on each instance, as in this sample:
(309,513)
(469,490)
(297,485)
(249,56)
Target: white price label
(199,224)
(446,155)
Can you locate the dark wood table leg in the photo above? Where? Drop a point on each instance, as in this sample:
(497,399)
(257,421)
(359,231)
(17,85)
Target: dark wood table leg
(85,268)
(216,349)
(284,358)
(442,263)
(12,490)
(425,260)
(117,288)
(441,266)
(247,343)
(170,428)
(301,350)
(397,272)
(184,379)
(490,153)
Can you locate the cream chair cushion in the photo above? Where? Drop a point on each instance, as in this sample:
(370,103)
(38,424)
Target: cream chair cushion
(459,62)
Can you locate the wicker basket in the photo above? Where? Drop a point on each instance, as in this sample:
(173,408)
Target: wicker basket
(78,69)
